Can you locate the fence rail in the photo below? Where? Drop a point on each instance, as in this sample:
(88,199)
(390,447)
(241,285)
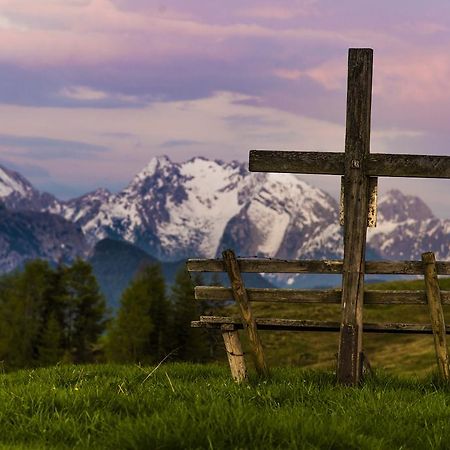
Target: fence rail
(314,325)
(269,265)
(328,296)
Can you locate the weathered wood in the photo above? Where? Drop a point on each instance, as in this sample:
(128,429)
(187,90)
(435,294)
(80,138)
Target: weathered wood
(235,354)
(373,200)
(326,296)
(240,297)
(372,209)
(436,314)
(332,163)
(325,163)
(314,325)
(413,166)
(270,295)
(271,265)
(356,203)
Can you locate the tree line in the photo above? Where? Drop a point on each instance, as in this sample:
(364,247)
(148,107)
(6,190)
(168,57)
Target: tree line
(52,315)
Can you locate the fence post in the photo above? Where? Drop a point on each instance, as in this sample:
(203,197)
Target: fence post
(234,353)
(356,204)
(436,313)
(248,321)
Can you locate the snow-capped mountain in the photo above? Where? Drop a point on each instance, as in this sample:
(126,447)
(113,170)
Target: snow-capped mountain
(198,207)
(407,228)
(16,192)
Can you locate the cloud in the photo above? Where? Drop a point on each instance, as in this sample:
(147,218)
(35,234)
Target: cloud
(252,121)
(42,148)
(85,95)
(280,11)
(179,143)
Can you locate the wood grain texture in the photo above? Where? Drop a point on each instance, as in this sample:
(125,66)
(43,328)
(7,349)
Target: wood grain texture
(373,199)
(272,265)
(326,296)
(235,354)
(413,166)
(356,203)
(436,314)
(325,163)
(313,325)
(240,296)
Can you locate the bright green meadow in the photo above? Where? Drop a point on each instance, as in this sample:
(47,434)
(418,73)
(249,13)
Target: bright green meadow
(198,406)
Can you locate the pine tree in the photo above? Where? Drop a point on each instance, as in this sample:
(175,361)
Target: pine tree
(50,344)
(22,301)
(139,332)
(191,344)
(84,311)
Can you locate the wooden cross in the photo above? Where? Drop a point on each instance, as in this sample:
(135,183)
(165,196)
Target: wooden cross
(356,165)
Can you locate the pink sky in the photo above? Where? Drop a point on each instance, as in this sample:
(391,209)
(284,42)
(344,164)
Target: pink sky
(91,90)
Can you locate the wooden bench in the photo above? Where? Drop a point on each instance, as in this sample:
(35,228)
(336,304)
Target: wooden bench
(229,326)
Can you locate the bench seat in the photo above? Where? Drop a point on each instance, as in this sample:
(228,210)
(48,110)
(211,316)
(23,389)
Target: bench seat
(235,323)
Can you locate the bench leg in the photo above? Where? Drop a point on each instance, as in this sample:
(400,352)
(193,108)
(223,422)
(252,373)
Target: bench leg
(235,354)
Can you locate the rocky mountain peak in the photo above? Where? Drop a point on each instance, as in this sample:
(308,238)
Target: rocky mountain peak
(397,207)
(198,207)
(16,192)
(156,165)
(12,182)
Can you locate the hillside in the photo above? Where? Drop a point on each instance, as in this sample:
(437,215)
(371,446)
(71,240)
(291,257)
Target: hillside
(197,407)
(116,263)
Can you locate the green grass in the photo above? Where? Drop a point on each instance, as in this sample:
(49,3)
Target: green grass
(194,406)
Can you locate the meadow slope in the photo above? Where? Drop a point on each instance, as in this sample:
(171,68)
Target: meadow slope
(195,406)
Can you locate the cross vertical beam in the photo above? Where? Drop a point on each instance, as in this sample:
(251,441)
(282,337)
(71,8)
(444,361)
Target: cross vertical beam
(356,201)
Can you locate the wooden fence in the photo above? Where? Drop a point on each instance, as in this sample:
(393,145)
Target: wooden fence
(432,296)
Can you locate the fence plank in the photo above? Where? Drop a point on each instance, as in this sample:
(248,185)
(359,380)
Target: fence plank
(240,296)
(313,325)
(262,295)
(271,265)
(436,314)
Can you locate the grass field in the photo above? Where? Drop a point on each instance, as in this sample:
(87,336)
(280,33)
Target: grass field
(194,406)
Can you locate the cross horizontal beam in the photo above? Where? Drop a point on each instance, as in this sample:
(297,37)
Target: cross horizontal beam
(332,163)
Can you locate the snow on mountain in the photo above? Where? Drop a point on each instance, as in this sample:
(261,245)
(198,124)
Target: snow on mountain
(17,192)
(11,182)
(407,228)
(195,208)
(199,207)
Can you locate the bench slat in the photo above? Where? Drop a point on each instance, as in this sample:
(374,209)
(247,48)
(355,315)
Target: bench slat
(217,293)
(312,325)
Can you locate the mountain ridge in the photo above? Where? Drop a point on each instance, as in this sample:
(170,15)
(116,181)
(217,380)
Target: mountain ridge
(199,207)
